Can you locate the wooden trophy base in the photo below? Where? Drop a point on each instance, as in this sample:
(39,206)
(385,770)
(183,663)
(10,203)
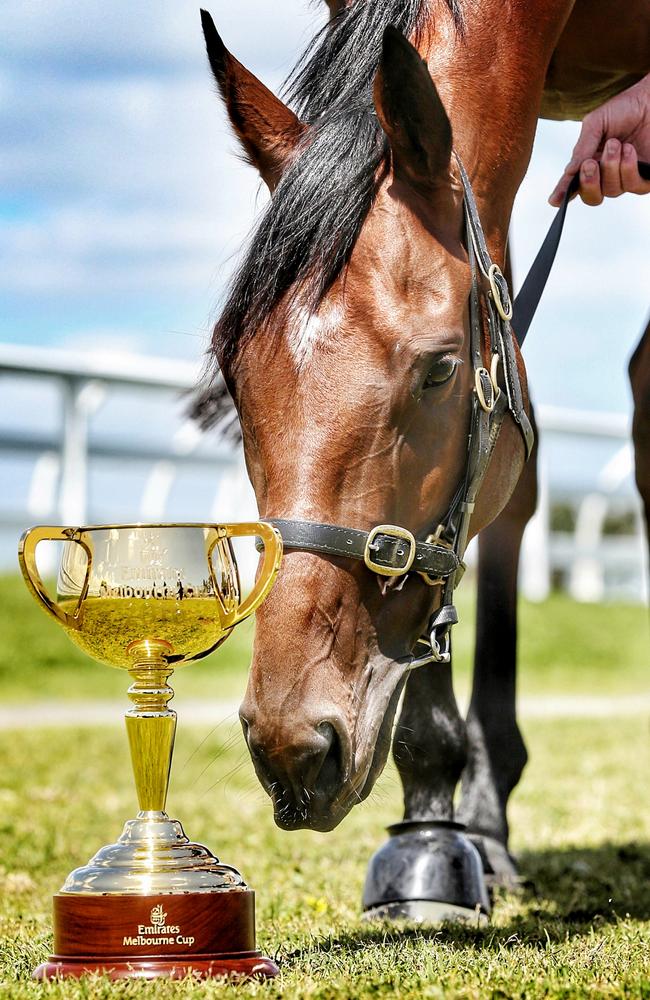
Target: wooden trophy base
(202,934)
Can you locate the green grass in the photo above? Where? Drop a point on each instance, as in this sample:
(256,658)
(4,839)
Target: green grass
(580,820)
(564,647)
(581,826)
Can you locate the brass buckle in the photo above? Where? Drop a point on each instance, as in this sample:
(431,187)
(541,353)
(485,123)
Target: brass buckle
(391,531)
(494,274)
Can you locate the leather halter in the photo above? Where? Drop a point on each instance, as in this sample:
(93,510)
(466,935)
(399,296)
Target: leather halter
(392,551)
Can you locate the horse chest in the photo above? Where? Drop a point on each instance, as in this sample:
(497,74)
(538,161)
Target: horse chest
(600,53)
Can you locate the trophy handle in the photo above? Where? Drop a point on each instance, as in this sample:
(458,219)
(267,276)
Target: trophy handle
(27,559)
(271,559)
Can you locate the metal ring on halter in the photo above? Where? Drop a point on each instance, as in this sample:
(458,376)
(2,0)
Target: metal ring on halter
(435,538)
(486,390)
(434,652)
(494,374)
(495,274)
(441,654)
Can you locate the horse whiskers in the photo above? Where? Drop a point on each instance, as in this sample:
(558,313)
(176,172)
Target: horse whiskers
(224,778)
(408,729)
(205,740)
(286,810)
(227,745)
(409,749)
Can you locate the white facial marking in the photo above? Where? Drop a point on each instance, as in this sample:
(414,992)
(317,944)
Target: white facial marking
(308,329)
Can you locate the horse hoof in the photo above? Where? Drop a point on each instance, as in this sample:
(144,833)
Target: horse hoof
(427,871)
(499,865)
(426,911)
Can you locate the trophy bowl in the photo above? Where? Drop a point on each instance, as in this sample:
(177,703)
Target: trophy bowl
(149,599)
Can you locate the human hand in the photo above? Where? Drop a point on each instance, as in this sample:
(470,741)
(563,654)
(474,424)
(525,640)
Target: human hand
(612,140)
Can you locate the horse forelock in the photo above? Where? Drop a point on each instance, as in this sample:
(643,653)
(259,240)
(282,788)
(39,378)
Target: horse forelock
(307,232)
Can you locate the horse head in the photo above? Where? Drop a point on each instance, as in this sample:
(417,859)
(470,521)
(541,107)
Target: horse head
(344,344)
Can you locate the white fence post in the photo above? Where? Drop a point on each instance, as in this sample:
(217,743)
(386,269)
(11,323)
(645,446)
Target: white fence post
(74,453)
(587,577)
(535,563)
(81,399)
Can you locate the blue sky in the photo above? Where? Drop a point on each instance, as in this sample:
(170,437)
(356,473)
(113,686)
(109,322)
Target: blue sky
(123,204)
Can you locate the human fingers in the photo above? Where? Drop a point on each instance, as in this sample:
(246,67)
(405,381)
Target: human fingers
(630,176)
(586,147)
(611,184)
(590,189)
(557,195)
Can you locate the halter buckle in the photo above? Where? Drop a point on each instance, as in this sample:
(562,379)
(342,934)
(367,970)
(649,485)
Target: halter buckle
(500,292)
(390,531)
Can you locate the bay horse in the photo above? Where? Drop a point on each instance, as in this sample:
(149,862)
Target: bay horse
(345,343)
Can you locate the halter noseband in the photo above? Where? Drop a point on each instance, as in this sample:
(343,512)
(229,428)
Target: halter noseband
(392,551)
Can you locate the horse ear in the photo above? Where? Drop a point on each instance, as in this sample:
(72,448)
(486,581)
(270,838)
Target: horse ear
(411,114)
(267,129)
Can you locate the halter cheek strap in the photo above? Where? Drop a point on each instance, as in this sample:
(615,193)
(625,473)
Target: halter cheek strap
(392,551)
(489,407)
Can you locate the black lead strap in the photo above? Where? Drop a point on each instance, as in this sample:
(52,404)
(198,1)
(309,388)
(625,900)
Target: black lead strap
(527,301)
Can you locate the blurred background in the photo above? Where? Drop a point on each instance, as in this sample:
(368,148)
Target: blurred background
(123,205)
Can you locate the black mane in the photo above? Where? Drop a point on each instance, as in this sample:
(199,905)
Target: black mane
(307,232)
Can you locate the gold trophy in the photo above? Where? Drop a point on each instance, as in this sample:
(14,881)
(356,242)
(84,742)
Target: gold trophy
(148,599)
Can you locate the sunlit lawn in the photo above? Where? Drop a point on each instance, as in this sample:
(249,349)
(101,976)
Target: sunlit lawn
(580,819)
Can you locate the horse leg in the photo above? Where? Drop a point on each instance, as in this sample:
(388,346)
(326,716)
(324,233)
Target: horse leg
(639,371)
(496,751)
(430,744)
(428,870)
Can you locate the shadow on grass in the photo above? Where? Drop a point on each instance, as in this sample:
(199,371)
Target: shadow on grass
(587,884)
(565,893)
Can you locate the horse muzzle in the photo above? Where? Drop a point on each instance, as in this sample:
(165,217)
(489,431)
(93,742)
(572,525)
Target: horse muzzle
(302,767)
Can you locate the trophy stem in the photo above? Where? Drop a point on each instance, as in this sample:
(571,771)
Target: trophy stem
(150,724)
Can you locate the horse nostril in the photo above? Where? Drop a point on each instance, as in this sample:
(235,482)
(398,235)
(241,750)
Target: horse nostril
(331,772)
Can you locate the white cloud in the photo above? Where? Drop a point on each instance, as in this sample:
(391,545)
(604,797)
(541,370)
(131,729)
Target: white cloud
(67,35)
(116,143)
(103,341)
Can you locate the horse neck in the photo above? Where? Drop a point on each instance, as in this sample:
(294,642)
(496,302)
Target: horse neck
(491,82)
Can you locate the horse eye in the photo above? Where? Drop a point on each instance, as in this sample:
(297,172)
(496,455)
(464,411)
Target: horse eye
(440,372)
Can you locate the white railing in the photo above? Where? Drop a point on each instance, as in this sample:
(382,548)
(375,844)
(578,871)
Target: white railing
(60,477)
(591,564)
